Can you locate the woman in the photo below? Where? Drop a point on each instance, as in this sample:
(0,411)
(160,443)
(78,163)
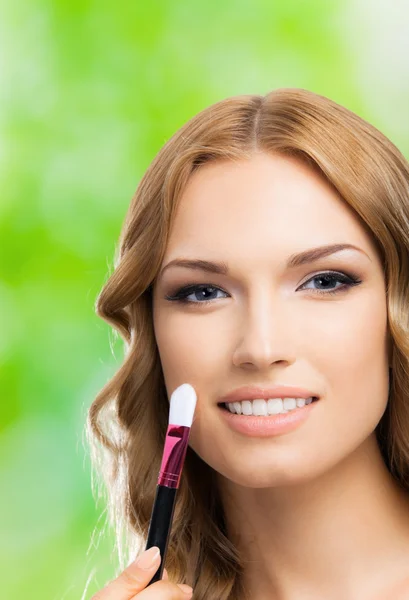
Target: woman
(294,215)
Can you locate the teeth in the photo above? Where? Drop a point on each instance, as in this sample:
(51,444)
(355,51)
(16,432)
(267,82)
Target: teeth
(273,406)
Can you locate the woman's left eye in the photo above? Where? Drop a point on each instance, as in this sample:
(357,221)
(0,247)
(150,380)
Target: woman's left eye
(183,293)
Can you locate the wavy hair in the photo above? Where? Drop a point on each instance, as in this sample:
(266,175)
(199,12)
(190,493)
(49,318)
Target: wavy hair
(127,421)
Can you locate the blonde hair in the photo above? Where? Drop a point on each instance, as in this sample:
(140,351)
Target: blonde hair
(127,421)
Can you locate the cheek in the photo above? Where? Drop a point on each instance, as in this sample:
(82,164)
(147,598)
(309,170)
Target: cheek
(349,354)
(189,350)
(347,330)
(349,350)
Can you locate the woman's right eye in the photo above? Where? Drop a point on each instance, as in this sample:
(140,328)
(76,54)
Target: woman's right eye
(192,290)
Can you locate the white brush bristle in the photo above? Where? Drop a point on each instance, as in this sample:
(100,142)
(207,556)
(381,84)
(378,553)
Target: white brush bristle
(182,405)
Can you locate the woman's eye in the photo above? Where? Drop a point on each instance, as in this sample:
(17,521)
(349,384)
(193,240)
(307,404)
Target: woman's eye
(200,294)
(206,293)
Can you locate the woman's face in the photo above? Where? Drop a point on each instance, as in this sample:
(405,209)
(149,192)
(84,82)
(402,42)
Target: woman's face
(266,323)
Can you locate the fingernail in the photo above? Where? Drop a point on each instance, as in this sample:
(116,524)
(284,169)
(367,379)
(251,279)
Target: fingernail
(185,588)
(148,558)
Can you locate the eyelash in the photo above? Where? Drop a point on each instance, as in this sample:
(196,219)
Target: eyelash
(348,281)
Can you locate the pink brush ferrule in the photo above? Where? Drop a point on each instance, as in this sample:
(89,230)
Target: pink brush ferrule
(174,453)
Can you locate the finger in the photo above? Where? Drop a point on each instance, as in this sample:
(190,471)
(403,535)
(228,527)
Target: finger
(134,578)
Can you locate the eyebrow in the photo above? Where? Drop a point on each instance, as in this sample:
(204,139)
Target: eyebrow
(295,260)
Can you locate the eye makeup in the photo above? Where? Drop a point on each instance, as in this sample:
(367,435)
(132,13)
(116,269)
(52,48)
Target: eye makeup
(348,281)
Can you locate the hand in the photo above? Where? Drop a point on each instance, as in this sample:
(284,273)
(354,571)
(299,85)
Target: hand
(131,583)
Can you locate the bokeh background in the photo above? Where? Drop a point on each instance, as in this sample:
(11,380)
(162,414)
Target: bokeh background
(89,92)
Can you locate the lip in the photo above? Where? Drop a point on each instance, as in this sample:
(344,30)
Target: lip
(268,426)
(253,392)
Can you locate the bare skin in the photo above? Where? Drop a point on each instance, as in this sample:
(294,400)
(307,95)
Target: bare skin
(315,512)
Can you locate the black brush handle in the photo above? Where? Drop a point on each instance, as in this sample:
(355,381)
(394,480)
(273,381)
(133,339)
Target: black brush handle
(160,524)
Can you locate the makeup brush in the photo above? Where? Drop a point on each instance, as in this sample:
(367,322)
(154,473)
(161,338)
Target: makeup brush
(181,411)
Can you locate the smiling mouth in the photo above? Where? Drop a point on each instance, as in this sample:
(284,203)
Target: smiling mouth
(224,406)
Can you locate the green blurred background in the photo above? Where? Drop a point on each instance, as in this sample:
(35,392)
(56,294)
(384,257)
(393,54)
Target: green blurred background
(90,91)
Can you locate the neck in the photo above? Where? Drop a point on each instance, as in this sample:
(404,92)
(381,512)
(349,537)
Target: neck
(344,534)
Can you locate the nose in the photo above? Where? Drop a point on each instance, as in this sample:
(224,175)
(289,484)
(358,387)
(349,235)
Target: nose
(266,336)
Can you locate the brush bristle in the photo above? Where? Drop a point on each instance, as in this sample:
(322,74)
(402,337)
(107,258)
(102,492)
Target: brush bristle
(182,405)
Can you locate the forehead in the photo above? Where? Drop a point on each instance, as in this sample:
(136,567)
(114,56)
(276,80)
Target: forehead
(267,198)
